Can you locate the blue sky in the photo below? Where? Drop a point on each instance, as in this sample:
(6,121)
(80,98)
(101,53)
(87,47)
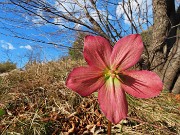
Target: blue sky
(20,51)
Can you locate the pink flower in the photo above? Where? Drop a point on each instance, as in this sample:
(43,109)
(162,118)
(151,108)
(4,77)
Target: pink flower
(107,72)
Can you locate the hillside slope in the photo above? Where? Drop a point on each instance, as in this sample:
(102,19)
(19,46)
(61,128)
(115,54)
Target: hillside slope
(36,102)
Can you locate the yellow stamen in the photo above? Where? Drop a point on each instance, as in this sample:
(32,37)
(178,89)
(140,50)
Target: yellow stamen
(113,74)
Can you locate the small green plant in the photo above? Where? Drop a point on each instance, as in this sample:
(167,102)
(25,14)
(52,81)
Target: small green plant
(2,112)
(7,66)
(77,48)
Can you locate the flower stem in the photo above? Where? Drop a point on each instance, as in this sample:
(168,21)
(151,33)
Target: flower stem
(109,127)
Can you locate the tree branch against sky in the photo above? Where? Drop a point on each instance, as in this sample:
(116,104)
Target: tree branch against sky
(48,23)
(96,17)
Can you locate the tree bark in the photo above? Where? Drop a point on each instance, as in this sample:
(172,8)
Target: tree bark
(171,69)
(165,47)
(176,88)
(159,34)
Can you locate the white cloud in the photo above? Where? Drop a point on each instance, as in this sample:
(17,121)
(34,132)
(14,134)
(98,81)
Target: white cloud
(138,8)
(119,10)
(6,45)
(70,6)
(26,47)
(76,9)
(103,14)
(59,21)
(37,19)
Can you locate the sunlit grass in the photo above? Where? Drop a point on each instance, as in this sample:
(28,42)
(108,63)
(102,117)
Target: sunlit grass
(36,102)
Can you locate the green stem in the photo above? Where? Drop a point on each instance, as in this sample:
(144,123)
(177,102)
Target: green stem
(109,127)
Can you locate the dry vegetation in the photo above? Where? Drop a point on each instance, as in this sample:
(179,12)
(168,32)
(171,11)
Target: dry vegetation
(36,102)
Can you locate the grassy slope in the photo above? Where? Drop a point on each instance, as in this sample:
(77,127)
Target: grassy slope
(36,101)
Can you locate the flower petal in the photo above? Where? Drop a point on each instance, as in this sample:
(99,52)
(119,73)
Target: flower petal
(142,84)
(112,101)
(127,52)
(85,80)
(97,51)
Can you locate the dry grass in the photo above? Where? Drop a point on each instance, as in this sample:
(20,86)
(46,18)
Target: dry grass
(36,102)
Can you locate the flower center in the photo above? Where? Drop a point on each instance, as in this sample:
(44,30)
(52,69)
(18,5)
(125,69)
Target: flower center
(113,74)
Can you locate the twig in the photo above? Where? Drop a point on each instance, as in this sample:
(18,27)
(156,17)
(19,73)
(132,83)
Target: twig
(109,127)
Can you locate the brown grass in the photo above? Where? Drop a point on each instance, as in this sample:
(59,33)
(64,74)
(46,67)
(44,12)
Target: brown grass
(37,102)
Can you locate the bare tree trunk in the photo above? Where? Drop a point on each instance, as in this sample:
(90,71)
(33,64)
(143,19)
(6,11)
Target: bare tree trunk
(176,88)
(164,51)
(159,34)
(171,69)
